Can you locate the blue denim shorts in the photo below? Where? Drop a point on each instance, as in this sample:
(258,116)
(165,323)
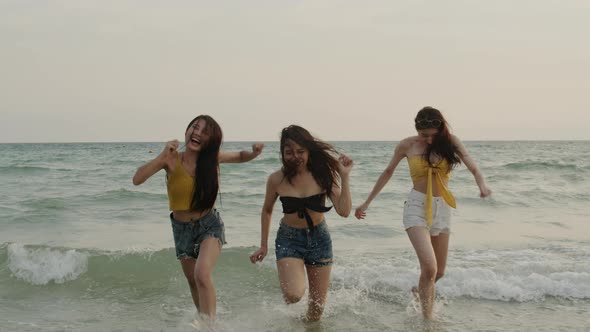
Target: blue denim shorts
(314,246)
(189,235)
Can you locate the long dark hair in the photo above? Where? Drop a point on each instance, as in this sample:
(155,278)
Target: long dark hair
(442,145)
(322,163)
(206,185)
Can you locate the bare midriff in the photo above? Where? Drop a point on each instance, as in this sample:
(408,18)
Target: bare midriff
(189,215)
(294,221)
(422,186)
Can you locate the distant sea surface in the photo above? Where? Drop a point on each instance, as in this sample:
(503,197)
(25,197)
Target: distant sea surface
(82,249)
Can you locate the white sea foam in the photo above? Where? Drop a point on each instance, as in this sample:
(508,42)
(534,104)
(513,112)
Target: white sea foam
(40,266)
(484,283)
(490,279)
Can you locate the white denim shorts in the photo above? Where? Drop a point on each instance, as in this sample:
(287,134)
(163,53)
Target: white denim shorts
(415,213)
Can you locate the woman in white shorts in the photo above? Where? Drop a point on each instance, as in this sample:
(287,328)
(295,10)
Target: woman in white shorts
(431,155)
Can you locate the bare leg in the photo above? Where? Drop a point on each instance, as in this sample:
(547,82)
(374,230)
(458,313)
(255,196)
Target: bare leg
(208,253)
(440,244)
(292,279)
(420,239)
(319,283)
(188,267)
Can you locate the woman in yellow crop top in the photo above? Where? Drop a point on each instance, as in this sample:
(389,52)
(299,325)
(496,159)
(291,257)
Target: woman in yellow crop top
(431,156)
(193,184)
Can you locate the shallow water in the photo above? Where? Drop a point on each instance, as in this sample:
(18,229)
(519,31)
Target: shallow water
(82,249)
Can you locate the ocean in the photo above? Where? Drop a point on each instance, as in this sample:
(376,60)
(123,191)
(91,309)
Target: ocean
(82,249)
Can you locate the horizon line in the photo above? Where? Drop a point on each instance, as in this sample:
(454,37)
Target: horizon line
(251,141)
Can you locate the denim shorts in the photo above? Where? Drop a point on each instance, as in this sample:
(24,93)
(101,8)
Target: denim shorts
(189,235)
(415,213)
(314,246)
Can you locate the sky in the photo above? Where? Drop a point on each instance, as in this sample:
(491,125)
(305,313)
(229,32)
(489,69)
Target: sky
(126,71)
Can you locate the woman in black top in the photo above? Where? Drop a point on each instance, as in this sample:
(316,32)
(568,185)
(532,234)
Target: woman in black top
(310,173)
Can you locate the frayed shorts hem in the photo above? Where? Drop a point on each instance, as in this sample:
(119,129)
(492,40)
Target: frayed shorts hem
(415,213)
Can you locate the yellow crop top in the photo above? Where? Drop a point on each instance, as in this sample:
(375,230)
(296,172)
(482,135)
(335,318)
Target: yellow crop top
(420,168)
(180,187)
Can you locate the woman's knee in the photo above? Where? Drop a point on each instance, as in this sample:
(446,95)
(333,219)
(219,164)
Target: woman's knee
(292,296)
(203,278)
(439,275)
(429,272)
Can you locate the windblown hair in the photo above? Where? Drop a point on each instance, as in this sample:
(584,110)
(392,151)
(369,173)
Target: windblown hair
(322,162)
(442,145)
(206,185)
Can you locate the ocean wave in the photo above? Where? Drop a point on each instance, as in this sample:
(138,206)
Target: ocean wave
(477,283)
(107,197)
(49,203)
(261,162)
(24,170)
(524,197)
(244,194)
(541,165)
(511,275)
(123,194)
(485,283)
(32,170)
(386,279)
(42,265)
(540,197)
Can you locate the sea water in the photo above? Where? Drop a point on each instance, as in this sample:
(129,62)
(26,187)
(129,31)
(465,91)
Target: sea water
(82,249)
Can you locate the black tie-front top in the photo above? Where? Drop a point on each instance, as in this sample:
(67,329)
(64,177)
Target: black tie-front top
(301,204)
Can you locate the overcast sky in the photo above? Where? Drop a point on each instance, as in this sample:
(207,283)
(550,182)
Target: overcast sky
(115,70)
